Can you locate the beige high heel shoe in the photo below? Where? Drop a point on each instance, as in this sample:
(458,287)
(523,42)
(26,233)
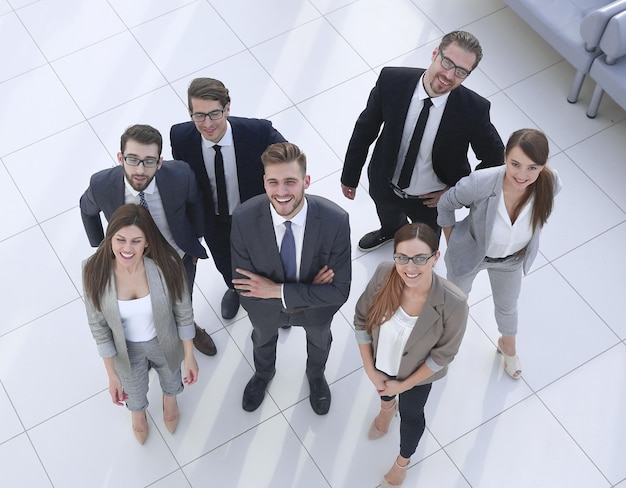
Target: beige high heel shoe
(512,364)
(387,484)
(141,435)
(374,433)
(170,424)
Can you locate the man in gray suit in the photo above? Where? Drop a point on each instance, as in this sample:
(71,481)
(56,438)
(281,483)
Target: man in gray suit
(292,266)
(169,191)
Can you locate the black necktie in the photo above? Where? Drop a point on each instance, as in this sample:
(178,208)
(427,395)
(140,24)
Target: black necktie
(411,155)
(220,182)
(288,254)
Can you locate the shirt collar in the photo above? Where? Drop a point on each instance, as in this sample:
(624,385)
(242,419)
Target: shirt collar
(298,219)
(149,189)
(422,94)
(226,140)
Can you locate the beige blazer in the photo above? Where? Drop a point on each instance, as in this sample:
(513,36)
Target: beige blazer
(173,323)
(438,331)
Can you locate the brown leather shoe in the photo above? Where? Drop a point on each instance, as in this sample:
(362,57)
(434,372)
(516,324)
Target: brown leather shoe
(203,342)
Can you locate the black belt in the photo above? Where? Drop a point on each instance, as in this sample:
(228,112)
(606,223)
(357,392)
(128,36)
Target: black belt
(400,193)
(516,255)
(293,310)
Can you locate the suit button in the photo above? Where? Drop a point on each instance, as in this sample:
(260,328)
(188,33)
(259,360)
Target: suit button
(404,353)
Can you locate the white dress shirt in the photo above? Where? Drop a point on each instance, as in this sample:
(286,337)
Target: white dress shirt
(507,238)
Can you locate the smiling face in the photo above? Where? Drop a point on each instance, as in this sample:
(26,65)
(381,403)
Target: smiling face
(412,274)
(439,81)
(521,171)
(139,176)
(285,184)
(211,130)
(128,245)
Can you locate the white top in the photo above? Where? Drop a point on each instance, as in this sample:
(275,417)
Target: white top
(230,167)
(155,207)
(507,238)
(392,338)
(423,180)
(137,319)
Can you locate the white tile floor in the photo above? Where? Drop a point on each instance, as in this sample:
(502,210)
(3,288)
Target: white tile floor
(74,74)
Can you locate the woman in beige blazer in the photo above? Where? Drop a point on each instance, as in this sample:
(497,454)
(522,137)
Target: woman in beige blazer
(508,207)
(409,324)
(139,312)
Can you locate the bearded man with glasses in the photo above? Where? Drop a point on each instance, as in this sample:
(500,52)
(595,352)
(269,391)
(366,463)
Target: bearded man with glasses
(169,191)
(429,121)
(224,152)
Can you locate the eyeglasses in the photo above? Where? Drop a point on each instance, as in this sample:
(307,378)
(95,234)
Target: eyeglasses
(213,115)
(419,259)
(147,163)
(447,64)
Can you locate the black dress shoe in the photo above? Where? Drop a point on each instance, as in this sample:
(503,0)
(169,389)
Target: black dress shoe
(320,395)
(203,342)
(373,240)
(230,304)
(254,392)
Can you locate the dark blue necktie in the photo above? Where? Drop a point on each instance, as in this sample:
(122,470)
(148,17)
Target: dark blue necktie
(142,201)
(288,254)
(220,183)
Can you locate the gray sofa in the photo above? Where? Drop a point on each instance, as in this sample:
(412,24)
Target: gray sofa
(609,70)
(572,27)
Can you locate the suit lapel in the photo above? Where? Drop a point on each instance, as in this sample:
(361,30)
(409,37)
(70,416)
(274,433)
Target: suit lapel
(429,316)
(311,237)
(493,203)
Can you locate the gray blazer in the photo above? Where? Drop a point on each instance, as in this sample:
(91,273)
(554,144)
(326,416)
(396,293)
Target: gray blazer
(437,333)
(481,192)
(173,323)
(326,242)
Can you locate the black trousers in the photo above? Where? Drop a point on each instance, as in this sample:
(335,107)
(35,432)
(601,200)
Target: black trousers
(265,337)
(394,211)
(219,245)
(412,420)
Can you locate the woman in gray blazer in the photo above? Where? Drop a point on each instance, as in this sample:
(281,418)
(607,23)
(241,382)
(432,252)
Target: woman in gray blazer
(508,207)
(139,312)
(409,323)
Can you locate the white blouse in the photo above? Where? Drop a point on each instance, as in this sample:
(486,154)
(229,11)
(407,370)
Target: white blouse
(137,319)
(392,338)
(507,238)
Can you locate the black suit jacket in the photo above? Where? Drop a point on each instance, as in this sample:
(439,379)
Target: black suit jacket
(465,122)
(326,242)
(179,195)
(250,137)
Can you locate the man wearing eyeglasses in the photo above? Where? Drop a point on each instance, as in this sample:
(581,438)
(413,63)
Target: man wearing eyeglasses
(429,120)
(169,191)
(225,154)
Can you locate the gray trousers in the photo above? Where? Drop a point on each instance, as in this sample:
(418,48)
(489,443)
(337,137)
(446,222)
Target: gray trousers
(506,284)
(136,385)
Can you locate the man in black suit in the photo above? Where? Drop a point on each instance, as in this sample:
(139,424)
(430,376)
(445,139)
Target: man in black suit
(168,189)
(225,154)
(292,266)
(411,166)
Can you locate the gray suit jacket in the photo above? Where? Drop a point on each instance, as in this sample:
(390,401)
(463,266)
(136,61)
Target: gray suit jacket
(326,242)
(173,323)
(437,333)
(481,192)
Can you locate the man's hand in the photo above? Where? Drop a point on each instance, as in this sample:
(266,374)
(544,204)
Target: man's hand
(348,192)
(431,199)
(256,286)
(324,276)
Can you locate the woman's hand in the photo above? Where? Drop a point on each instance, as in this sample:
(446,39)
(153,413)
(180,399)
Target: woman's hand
(378,378)
(191,370)
(391,388)
(118,395)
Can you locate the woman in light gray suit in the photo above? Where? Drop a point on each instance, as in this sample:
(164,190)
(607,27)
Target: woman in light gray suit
(409,323)
(508,207)
(139,312)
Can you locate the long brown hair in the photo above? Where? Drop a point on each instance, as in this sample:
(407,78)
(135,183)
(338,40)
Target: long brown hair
(99,268)
(387,299)
(534,144)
